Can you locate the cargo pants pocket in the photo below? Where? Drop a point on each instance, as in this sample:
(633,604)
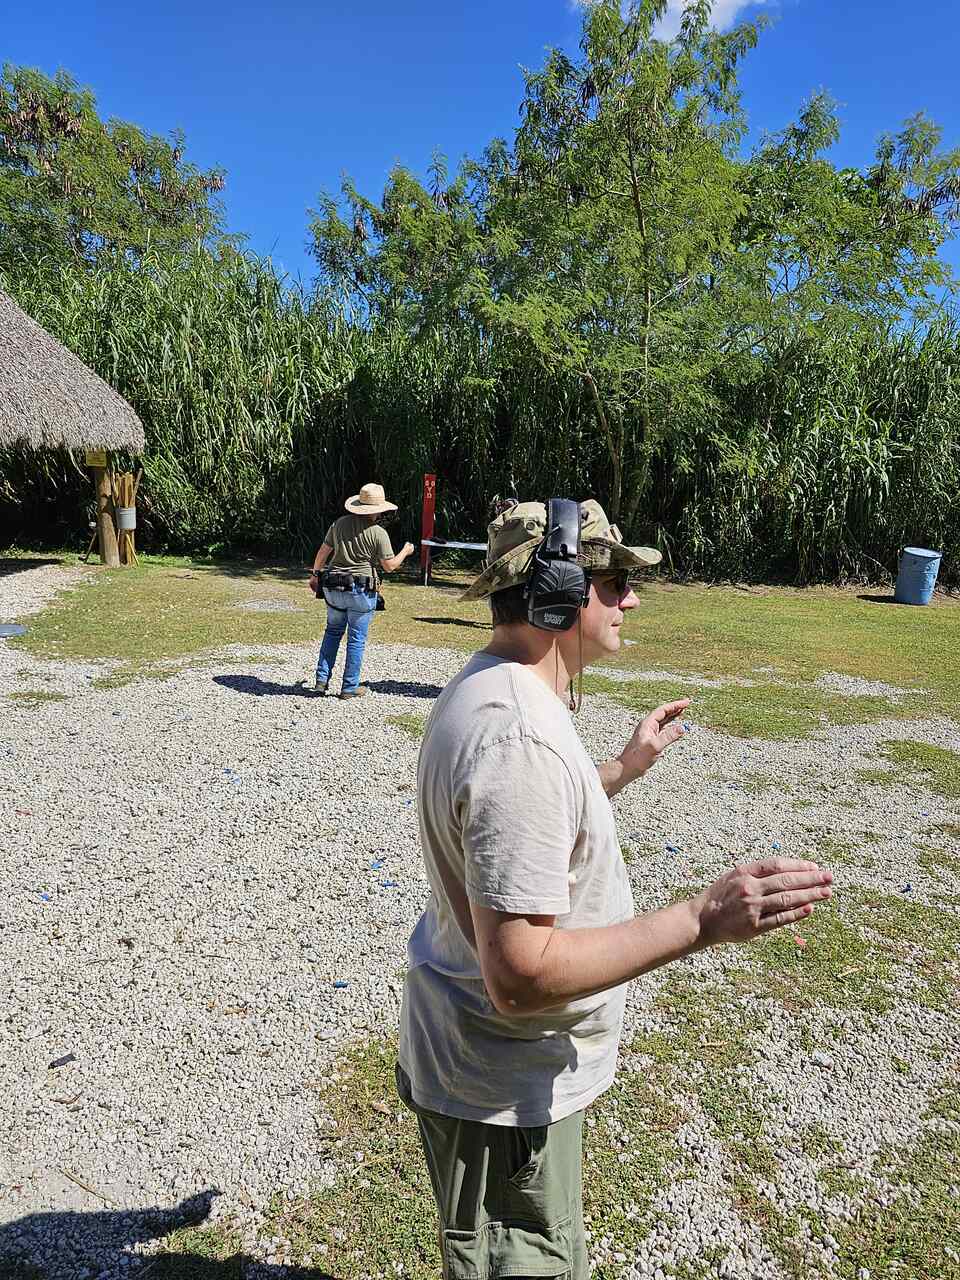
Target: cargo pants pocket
(522,1155)
(500,1250)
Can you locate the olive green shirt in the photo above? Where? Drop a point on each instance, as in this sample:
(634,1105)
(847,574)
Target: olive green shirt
(358,546)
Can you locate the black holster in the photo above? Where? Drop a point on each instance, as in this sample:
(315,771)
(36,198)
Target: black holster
(337,580)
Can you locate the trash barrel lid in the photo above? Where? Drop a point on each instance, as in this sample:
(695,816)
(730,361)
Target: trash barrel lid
(11,629)
(922,551)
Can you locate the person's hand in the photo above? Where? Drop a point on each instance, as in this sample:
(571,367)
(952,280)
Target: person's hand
(312,580)
(651,738)
(758,897)
(408,549)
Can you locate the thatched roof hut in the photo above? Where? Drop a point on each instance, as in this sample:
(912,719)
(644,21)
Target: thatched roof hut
(49,398)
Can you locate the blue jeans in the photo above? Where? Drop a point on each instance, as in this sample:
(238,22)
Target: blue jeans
(348,611)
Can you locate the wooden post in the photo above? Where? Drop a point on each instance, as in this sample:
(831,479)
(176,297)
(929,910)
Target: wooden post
(427,523)
(106,530)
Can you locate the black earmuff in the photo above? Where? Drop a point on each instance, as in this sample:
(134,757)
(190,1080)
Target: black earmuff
(558,587)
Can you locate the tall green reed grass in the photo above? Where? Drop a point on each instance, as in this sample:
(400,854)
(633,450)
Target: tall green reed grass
(264,408)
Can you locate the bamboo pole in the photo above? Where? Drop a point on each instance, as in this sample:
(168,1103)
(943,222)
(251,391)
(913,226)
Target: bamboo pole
(124,495)
(133,486)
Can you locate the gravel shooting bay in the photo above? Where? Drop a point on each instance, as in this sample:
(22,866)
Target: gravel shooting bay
(208,884)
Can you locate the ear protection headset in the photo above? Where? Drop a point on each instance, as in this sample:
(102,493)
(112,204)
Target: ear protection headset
(558,587)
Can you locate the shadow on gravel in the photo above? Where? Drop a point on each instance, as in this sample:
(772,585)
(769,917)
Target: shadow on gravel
(269,688)
(14,564)
(53,1246)
(264,688)
(404,688)
(457,622)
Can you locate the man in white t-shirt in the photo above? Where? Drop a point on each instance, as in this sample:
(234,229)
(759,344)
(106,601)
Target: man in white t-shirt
(514,997)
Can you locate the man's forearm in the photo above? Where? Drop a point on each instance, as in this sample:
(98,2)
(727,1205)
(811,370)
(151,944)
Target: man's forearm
(580,962)
(614,776)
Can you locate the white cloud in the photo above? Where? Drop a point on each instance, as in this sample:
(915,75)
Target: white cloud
(725,14)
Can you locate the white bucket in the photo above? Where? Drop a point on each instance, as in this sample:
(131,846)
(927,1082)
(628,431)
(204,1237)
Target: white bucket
(126,518)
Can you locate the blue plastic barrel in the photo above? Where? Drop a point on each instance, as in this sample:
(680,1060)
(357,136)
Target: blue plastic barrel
(918,575)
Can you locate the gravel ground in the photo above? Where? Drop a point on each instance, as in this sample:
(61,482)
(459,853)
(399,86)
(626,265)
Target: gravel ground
(207,886)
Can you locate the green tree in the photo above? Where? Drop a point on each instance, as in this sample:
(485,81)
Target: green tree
(74,187)
(625,241)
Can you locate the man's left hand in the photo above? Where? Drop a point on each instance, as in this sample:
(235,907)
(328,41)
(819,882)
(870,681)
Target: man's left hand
(659,730)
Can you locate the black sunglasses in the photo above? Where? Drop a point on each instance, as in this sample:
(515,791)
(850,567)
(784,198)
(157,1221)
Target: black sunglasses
(619,580)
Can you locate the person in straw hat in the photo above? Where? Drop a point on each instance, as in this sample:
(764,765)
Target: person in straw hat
(514,995)
(346,569)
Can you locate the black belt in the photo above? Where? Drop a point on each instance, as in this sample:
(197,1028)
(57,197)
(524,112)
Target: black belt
(365,584)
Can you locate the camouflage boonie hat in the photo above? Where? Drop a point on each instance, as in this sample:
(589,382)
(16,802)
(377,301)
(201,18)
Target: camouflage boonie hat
(514,535)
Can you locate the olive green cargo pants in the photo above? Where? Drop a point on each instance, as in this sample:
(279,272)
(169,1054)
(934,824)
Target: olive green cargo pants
(509,1199)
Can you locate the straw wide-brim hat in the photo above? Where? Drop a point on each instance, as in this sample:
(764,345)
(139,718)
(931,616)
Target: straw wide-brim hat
(370,501)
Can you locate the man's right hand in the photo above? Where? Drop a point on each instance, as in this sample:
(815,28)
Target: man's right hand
(408,549)
(759,897)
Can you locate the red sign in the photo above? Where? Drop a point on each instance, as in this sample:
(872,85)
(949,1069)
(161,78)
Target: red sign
(427,518)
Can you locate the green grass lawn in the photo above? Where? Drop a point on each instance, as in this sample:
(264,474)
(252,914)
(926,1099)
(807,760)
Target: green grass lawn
(796,634)
(167,609)
(938,768)
(152,619)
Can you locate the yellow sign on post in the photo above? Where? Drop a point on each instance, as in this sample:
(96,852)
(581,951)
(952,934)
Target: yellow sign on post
(96,458)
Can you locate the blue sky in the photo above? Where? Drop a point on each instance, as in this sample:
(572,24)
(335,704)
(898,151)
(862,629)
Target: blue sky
(288,96)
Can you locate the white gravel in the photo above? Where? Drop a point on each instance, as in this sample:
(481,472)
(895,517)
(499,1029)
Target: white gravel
(856,686)
(622,676)
(28,590)
(187,871)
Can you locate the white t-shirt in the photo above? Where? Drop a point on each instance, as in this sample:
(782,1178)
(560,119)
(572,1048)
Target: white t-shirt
(513,816)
